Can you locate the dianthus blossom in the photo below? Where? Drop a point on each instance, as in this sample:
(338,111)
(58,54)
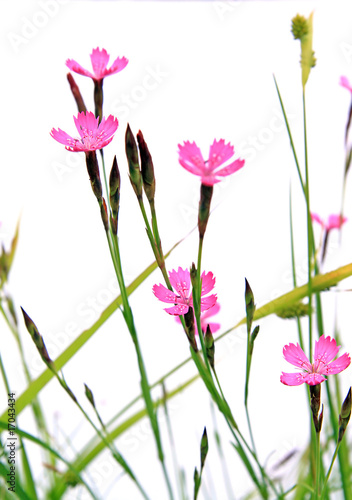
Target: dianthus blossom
(323,364)
(181,282)
(190,157)
(99,59)
(93,135)
(334,221)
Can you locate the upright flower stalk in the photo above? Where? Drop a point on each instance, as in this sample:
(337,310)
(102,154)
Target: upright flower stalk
(211,171)
(314,374)
(99,59)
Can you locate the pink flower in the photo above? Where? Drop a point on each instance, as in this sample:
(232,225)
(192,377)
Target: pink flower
(181,282)
(93,135)
(344,82)
(190,157)
(313,374)
(214,327)
(100,59)
(333,222)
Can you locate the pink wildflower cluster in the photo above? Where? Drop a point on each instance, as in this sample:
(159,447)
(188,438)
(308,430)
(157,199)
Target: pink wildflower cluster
(323,364)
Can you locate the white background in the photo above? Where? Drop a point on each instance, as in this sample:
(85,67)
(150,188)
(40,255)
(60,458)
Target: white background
(210,68)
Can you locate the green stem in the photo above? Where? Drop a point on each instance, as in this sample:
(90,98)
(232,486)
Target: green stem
(309,229)
(127,312)
(329,472)
(290,136)
(293,264)
(317,457)
(156,247)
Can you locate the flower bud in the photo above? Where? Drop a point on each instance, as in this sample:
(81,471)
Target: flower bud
(250,306)
(190,328)
(104,214)
(209,346)
(206,193)
(315,391)
(38,340)
(345,415)
(76,93)
(147,168)
(89,395)
(114,196)
(94,175)
(133,163)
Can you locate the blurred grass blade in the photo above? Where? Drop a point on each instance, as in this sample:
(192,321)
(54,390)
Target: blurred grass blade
(28,479)
(37,385)
(248,465)
(42,444)
(20,492)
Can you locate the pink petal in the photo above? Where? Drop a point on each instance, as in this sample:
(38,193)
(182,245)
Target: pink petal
(77,68)
(190,157)
(85,122)
(219,152)
(337,366)
(231,169)
(211,312)
(181,281)
(178,310)
(190,167)
(208,282)
(344,82)
(316,218)
(207,302)
(295,355)
(61,136)
(335,221)
(325,350)
(119,64)
(313,378)
(292,378)
(100,59)
(164,294)
(108,126)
